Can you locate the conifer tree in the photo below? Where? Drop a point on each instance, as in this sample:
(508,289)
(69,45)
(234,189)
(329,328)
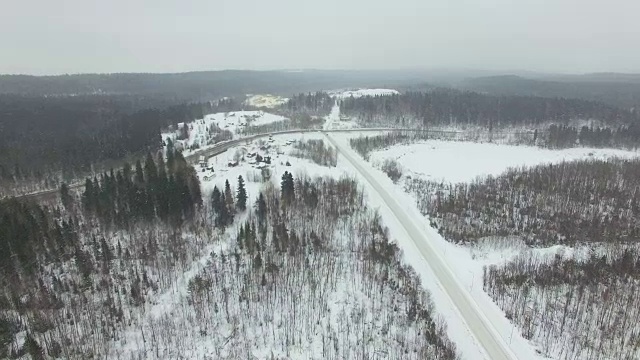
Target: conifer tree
(228,195)
(287,187)
(88,197)
(261,210)
(241,199)
(33,348)
(223,215)
(139,179)
(65,196)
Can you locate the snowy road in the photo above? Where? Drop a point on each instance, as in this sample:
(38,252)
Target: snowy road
(477,323)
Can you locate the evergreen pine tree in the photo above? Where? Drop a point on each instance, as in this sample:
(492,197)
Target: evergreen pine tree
(275,240)
(66,198)
(161,198)
(88,197)
(150,170)
(240,238)
(139,178)
(261,210)
(257,261)
(241,199)
(223,215)
(287,187)
(216,199)
(33,348)
(228,195)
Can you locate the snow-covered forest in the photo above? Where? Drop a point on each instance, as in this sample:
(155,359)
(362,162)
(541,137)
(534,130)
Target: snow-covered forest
(573,306)
(563,122)
(140,264)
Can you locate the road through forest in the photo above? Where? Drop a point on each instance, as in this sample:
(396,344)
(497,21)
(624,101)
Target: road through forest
(477,323)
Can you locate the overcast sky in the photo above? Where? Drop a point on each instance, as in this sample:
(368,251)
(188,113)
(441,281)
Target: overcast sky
(77,36)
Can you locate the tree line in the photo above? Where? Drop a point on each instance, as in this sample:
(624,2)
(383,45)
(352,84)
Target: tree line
(364,145)
(317,151)
(318,103)
(54,138)
(564,136)
(295,121)
(456,108)
(166,190)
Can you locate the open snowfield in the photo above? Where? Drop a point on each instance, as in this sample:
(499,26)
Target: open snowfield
(266,100)
(464,161)
(342,94)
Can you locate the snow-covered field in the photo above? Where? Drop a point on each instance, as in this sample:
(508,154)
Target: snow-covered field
(464,161)
(207,132)
(342,94)
(266,100)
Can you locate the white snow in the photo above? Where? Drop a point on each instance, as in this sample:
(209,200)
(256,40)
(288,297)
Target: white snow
(266,100)
(464,161)
(342,94)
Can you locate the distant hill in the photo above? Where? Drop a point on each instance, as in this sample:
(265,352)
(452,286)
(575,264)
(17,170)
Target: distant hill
(598,77)
(621,90)
(206,84)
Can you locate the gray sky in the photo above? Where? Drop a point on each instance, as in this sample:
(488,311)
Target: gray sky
(72,36)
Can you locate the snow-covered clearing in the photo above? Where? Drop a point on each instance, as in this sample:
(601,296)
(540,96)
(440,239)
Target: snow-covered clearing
(342,94)
(266,100)
(203,133)
(454,162)
(278,149)
(234,121)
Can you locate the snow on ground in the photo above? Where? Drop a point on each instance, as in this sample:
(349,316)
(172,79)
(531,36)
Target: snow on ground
(234,121)
(342,94)
(278,150)
(203,133)
(464,161)
(266,100)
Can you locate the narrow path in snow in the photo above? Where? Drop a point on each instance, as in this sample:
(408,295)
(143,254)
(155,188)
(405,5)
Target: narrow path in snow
(477,323)
(333,118)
